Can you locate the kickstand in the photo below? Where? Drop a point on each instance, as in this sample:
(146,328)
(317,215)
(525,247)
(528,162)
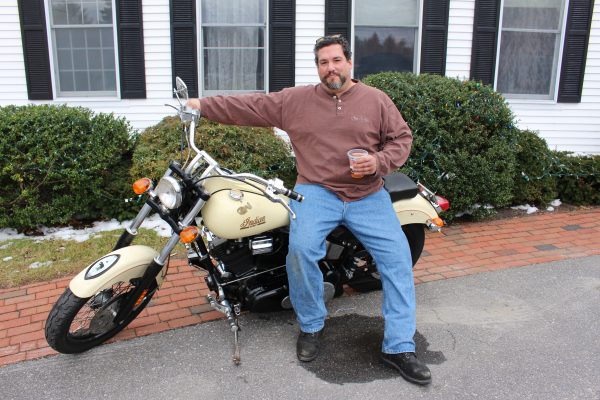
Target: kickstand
(236,352)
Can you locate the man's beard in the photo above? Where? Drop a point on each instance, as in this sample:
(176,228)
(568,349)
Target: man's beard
(334,85)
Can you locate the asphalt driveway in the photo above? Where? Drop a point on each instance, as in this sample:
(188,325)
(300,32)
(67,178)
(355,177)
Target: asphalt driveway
(526,333)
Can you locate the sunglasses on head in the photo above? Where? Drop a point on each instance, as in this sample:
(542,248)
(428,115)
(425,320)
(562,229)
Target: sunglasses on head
(326,37)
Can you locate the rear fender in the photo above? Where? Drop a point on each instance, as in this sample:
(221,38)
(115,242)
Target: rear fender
(416,210)
(118,266)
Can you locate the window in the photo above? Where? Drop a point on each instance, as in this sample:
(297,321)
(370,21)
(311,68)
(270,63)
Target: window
(529,47)
(385,36)
(83,47)
(233,51)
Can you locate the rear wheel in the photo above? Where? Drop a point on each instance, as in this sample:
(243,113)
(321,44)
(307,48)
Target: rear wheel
(366,278)
(77,324)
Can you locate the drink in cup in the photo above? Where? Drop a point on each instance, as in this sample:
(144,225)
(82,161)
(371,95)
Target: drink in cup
(354,155)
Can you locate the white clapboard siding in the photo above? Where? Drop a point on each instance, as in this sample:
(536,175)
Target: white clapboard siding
(310,25)
(140,113)
(13,85)
(460,38)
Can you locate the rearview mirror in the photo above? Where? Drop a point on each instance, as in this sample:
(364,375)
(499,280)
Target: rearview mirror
(181,90)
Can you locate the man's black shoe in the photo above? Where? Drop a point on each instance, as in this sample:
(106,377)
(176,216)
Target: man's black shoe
(409,367)
(307,347)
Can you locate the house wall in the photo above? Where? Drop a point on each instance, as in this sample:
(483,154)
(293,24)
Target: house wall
(573,127)
(140,113)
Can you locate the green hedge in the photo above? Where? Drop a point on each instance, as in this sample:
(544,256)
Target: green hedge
(463,137)
(61,163)
(534,182)
(577,178)
(242,149)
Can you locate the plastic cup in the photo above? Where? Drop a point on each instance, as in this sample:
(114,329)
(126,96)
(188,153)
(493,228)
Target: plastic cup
(353,155)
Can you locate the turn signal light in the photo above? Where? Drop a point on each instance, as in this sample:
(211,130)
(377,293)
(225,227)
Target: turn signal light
(189,234)
(438,222)
(142,185)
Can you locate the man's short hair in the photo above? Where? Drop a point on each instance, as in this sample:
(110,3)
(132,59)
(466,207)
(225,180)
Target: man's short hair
(328,41)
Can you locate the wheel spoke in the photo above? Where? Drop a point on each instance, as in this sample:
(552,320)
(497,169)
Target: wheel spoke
(98,307)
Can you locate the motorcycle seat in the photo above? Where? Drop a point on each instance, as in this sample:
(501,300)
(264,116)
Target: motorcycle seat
(400,186)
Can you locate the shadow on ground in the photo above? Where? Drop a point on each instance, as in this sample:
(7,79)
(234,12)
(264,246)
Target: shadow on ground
(351,347)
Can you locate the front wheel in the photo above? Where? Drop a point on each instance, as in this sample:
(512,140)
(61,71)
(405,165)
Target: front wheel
(366,278)
(76,324)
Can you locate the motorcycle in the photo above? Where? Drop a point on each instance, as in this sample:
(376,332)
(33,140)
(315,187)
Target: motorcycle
(234,227)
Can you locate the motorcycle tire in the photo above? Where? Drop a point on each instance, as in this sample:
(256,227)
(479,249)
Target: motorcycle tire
(76,324)
(368,280)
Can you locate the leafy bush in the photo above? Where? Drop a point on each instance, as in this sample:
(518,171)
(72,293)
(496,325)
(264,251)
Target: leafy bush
(534,183)
(577,177)
(463,137)
(61,163)
(242,149)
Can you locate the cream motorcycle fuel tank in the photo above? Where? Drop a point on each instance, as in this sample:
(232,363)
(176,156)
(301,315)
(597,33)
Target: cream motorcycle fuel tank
(237,209)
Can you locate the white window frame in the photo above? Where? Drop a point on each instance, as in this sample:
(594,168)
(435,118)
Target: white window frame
(88,95)
(200,52)
(556,67)
(418,38)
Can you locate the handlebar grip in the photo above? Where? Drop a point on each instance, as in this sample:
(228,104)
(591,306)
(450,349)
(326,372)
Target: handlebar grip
(293,195)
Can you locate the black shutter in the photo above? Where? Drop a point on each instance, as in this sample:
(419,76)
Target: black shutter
(575,51)
(184,59)
(282,44)
(435,36)
(485,40)
(35,49)
(338,19)
(130,32)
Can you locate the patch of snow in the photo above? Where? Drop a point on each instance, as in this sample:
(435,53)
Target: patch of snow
(471,210)
(154,222)
(7,258)
(38,264)
(6,246)
(8,234)
(526,207)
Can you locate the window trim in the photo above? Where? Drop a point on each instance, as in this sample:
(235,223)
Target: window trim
(202,92)
(556,67)
(418,37)
(89,95)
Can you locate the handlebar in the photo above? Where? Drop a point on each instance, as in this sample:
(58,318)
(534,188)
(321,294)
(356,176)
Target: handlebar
(273,185)
(292,195)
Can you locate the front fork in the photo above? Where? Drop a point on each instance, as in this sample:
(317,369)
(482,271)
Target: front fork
(159,262)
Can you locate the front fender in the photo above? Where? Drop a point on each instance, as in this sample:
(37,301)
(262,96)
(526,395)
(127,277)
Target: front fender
(118,266)
(414,211)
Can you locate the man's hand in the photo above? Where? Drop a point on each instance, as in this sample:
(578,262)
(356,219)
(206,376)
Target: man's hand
(366,165)
(193,103)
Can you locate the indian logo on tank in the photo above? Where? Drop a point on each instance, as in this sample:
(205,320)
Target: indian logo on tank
(251,223)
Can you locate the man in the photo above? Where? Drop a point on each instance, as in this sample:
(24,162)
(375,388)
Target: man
(324,122)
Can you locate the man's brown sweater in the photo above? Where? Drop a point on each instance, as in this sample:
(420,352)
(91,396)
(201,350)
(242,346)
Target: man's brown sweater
(322,128)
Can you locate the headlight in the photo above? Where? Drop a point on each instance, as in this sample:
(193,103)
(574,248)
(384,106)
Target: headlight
(169,192)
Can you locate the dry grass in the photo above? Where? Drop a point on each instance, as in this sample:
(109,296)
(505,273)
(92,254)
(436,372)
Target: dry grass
(24,261)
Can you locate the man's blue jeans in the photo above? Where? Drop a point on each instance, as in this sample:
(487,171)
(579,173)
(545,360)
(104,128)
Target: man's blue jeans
(373,221)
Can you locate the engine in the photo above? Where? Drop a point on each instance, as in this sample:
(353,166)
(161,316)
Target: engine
(258,263)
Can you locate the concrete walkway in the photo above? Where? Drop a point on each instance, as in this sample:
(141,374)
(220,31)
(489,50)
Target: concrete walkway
(462,249)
